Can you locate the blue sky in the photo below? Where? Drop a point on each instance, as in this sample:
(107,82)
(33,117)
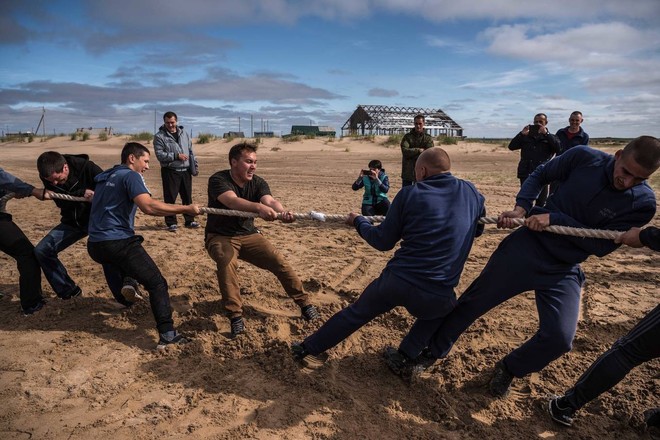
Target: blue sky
(490,65)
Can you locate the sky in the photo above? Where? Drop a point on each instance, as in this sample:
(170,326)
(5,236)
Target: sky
(254,65)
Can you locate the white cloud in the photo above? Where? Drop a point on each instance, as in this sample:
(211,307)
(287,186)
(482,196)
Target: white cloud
(506,79)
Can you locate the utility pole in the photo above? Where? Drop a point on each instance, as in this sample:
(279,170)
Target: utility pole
(155,121)
(251,126)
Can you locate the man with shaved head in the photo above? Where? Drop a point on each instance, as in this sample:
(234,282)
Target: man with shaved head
(436,220)
(596,190)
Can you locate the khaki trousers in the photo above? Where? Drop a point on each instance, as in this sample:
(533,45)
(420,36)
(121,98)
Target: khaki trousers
(257,250)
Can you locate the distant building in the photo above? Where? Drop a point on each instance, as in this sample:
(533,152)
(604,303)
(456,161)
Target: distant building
(386,120)
(312,130)
(264,134)
(233,134)
(95,131)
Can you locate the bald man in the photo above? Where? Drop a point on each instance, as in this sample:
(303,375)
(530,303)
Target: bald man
(437,220)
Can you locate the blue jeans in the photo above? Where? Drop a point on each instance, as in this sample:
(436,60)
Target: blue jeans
(127,257)
(382,295)
(59,238)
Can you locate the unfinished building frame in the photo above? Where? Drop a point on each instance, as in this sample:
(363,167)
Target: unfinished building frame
(388,120)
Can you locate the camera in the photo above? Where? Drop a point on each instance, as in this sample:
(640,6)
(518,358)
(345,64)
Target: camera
(534,129)
(367,171)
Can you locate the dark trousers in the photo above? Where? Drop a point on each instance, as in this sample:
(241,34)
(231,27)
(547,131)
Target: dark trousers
(381,295)
(14,243)
(518,265)
(406,183)
(127,257)
(177,183)
(638,346)
(379,208)
(543,195)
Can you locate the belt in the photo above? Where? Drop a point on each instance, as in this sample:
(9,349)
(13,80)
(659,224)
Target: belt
(179,169)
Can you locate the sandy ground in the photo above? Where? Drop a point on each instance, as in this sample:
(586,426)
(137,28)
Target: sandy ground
(87,368)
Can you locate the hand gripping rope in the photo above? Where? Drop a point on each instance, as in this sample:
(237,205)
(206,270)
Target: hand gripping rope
(319,216)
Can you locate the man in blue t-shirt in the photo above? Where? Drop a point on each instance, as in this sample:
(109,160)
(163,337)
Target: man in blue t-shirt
(112,240)
(436,221)
(597,190)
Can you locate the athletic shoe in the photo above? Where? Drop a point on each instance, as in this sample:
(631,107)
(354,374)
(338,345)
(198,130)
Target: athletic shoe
(309,312)
(559,414)
(192,225)
(171,337)
(237,326)
(308,360)
(76,292)
(35,308)
(652,417)
(404,367)
(501,381)
(172,228)
(131,290)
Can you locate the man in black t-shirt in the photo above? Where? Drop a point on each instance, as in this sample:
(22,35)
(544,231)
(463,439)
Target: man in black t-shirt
(228,239)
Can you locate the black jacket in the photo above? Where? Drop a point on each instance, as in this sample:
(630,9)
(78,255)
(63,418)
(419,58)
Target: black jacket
(534,150)
(81,177)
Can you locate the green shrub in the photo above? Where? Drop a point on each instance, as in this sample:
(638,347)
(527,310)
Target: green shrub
(85,136)
(310,136)
(74,136)
(275,149)
(446,140)
(291,138)
(143,136)
(393,140)
(205,138)
(103,136)
(30,137)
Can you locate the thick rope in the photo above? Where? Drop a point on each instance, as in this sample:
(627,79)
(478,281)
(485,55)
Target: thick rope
(564,230)
(319,216)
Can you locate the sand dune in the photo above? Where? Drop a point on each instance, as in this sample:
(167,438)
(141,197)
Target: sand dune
(87,368)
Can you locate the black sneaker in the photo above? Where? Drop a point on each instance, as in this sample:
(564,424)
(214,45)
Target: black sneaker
(408,369)
(309,312)
(501,381)
(237,326)
(172,337)
(652,417)
(76,292)
(308,360)
(35,308)
(192,225)
(131,290)
(559,414)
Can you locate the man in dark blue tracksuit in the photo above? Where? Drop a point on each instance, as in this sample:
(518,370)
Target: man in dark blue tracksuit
(597,190)
(436,220)
(638,346)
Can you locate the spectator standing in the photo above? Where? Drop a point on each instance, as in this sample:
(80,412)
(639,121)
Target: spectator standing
(178,165)
(573,135)
(412,145)
(537,146)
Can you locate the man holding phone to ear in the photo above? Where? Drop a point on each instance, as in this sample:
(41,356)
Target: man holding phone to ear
(537,145)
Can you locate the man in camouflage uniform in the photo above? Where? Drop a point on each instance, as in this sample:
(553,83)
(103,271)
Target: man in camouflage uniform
(412,145)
